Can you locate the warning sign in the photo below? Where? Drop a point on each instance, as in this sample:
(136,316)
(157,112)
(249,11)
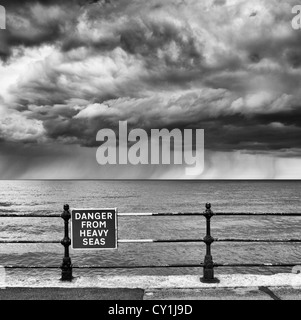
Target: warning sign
(94,228)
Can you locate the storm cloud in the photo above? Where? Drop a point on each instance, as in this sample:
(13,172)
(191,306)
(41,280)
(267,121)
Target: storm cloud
(233,68)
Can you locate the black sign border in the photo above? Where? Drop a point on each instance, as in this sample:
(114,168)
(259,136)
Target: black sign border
(97,209)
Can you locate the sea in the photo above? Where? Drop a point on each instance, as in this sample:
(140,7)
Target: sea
(48,197)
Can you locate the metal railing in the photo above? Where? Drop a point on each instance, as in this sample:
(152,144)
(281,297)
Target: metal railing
(208,265)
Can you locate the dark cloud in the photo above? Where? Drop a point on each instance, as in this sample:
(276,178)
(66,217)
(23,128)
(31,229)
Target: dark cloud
(294,58)
(17,4)
(220,2)
(74,67)
(33,23)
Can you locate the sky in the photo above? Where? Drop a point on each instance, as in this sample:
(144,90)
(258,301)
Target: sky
(70,68)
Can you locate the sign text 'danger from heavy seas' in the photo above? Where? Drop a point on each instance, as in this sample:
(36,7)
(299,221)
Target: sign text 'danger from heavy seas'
(94,228)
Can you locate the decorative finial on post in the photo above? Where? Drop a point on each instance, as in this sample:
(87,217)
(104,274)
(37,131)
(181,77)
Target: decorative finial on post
(208,205)
(66,242)
(208,271)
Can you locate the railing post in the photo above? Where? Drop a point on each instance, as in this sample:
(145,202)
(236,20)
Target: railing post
(208,271)
(66,242)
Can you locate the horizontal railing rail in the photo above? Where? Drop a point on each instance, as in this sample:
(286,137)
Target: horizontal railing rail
(161,214)
(162,241)
(208,265)
(162,266)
